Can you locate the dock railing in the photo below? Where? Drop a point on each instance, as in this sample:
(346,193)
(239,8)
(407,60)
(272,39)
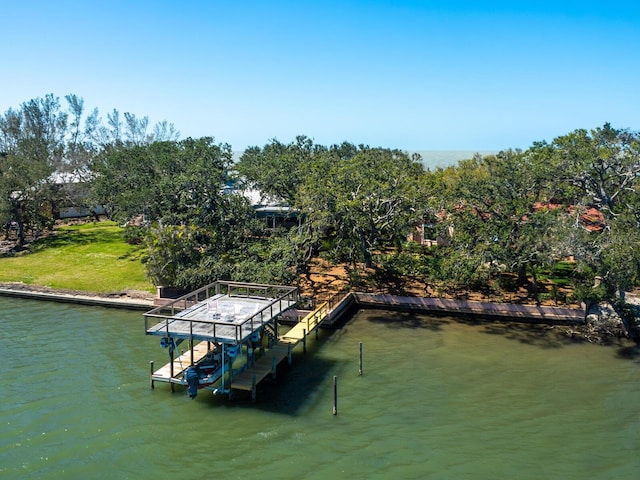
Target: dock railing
(314,318)
(336,298)
(170,311)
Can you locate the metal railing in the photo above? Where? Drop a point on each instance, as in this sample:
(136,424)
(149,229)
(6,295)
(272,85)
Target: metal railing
(170,311)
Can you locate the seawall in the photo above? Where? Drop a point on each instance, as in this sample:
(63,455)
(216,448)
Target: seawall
(79,299)
(344,303)
(442,306)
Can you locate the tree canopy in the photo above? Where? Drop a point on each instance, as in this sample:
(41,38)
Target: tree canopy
(575,198)
(46,148)
(519,210)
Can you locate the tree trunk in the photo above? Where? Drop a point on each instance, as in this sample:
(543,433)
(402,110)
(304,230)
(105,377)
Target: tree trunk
(20,232)
(522,275)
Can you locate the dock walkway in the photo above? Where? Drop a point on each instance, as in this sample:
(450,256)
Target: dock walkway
(263,366)
(510,311)
(267,364)
(305,326)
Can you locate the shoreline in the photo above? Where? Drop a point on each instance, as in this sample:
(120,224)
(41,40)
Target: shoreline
(596,325)
(126,300)
(142,300)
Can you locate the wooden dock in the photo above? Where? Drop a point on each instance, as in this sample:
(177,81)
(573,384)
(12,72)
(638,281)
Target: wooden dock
(267,364)
(305,326)
(506,311)
(180,364)
(264,366)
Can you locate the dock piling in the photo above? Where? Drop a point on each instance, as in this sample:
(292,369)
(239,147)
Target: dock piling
(360,369)
(171,361)
(274,367)
(253,388)
(335,395)
(304,340)
(151,374)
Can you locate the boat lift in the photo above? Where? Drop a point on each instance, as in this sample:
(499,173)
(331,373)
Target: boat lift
(221,321)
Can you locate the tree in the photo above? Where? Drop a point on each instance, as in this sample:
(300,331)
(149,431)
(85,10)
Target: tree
(177,188)
(602,165)
(602,168)
(164,181)
(33,148)
(503,219)
(276,169)
(364,203)
(46,151)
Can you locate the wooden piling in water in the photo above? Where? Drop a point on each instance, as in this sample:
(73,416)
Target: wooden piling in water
(171,361)
(304,340)
(253,388)
(360,369)
(151,374)
(274,368)
(335,395)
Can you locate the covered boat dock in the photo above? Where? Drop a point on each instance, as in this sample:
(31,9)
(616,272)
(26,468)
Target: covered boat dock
(225,323)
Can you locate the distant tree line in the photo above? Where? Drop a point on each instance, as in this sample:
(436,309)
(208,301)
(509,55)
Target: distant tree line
(507,220)
(46,148)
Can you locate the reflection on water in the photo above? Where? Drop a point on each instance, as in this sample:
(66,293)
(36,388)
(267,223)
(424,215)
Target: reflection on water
(439,398)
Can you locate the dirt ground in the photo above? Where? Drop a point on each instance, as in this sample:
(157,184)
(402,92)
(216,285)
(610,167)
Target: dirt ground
(325,279)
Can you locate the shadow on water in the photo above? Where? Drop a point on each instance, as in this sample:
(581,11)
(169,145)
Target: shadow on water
(536,334)
(396,319)
(630,352)
(544,336)
(295,387)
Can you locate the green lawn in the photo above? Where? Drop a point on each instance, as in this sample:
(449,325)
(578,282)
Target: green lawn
(89,257)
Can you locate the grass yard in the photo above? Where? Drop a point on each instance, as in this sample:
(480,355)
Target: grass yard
(92,257)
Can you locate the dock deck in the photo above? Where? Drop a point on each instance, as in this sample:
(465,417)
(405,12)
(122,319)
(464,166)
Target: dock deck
(266,364)
(305,326)
(508,311)
(180,364)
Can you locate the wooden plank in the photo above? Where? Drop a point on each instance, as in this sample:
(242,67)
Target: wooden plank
(261,369)
(541,313)
(181,363)
(306,325)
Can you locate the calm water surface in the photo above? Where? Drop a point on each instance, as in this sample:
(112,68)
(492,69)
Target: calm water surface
(438,399)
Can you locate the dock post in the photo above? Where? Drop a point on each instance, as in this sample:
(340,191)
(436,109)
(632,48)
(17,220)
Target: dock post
(274,367)
(360,369)
(335,395)
(253,388)
(173,389)
(151,373)
(304,340)
(289,356)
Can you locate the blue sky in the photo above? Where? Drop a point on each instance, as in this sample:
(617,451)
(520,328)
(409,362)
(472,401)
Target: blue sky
(415,75)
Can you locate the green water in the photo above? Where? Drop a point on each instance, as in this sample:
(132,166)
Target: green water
(438,399)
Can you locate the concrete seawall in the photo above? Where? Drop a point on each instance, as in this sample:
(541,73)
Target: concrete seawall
(78,299)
